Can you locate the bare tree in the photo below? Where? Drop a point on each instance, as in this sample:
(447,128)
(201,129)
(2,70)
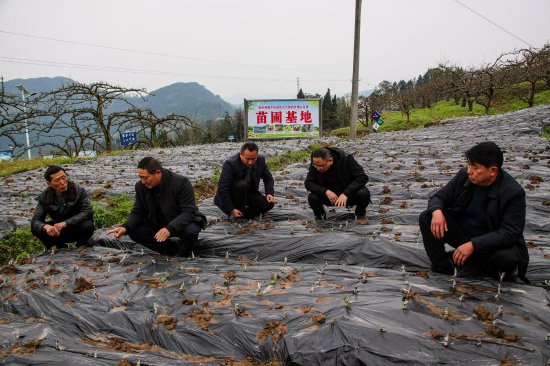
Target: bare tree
(89,110)
(153,130)
(529,66)
(488,80)
(11,116)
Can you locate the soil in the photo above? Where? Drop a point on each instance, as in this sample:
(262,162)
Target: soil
(168,321)
(9,270)
(319,318)
(81,285)
(483,314)
(27,348)
(304,309)
(229,276)
(203,317)
(274,329)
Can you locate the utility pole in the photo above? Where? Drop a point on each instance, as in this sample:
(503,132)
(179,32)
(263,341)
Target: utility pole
(24,96)
(355,77)
(298,84)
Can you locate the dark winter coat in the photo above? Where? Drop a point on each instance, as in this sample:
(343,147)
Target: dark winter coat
(75,209)
(351,175)
(177,202)
(234,170)
(505,213)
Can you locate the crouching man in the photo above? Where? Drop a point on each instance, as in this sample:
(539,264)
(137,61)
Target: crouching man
(164,208)
(68,208)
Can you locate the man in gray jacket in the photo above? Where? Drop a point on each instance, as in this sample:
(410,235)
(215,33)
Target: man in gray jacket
(164,208)
(71,213)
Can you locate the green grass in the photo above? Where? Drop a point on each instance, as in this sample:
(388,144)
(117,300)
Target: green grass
(18,245)
(112,211)
(107,212)
(419,118)
(9,167)
(290,157)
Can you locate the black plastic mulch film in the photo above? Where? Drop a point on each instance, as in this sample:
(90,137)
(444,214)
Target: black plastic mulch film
(284,289)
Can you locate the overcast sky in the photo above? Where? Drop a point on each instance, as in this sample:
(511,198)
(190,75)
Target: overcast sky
(258,48)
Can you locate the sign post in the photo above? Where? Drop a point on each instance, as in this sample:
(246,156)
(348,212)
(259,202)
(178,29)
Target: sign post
(127,138)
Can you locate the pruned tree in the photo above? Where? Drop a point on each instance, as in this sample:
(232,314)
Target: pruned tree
(89,110)
(488,79)
(152,130)
(528,67)
(11,116)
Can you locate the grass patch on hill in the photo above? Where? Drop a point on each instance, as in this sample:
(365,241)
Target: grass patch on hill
(423,117)
(10,167)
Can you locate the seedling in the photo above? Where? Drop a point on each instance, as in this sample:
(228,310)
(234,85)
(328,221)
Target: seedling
(236,309)
(216,267)
(75,268)
(197,280)
(155,308)
(355,291)
(499,311)
(347,302)
(406,304)
(312,288)
(58,345)
(192,255)
(446,313)
(461,298)
(153,261)
(95,353)
(478,343)
(402,270)
(122,259)
(142,252)
(259,290)
(226,256)
(96,295)
(446,341)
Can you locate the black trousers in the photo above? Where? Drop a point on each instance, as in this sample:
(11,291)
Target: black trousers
(361,200)
(250,203)
(81,234)
(489,263)
(179,244)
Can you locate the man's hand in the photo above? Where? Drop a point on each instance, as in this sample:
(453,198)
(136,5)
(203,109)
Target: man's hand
(462,253)
(236,213)
(332,197)
(51,230)
(439,224)
(270,199)
(60,225)
(341,201)
(162,235)
(118,231)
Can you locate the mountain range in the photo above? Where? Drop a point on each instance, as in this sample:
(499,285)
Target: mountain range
(190,99)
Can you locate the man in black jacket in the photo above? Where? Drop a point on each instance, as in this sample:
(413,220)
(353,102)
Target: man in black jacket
(336,179)
(164,208)
(71,213)
(238,192)
(481,213)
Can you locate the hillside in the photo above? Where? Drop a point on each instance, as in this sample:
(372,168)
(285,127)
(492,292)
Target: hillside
(285,289)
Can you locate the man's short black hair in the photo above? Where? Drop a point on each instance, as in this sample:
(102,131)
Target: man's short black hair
(486,153)
(322,153)
(150,164)
(250,146)
(52,169)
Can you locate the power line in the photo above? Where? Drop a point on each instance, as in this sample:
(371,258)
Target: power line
(164,54)
(493,23)
(27,61)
